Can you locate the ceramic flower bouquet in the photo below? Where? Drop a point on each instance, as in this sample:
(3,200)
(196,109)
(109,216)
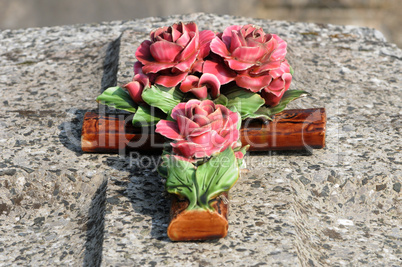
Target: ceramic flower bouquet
(197,87)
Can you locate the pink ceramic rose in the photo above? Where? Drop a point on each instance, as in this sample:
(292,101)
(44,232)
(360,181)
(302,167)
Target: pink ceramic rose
(251,58)
(172,53)
(200,129)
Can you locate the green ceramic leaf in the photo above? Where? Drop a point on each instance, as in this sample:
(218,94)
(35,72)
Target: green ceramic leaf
(215,176)
(117,97)
(180,179)
(291,70)
(289,96)
(147,116)
(245,102)
(257,115)
(221,100)
(162,97)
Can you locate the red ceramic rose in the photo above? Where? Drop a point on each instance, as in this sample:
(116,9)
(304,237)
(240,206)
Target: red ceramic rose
(200,129)
(254,60)
(136,87)
(173,53)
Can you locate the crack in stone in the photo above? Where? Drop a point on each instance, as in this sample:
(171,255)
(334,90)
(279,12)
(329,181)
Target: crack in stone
(96,227)
(96,215)
(111,64)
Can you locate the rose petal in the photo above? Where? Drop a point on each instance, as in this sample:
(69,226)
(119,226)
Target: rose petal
(189,83)
(220,70)
(216,115)
(237,40)
(179,109)
(277,72)
(280,51)
(201,120)
(158,32)
(276,85)
(236,65)
(190,49)
(271,44)
(154,67)
(254,84)
(271,99)
(230,124)
(168,129)
(230,136)
(287,77)
(143,53)
(138,67)
(208,106)
(164,51)
(187,149)
(135,89)
(271,65)
(190,27)
(248,30)
(199,111)
(206,37)
(175,33)
(167,36)
(183,39)
(200,130)
(212,82)
(170,80)
(186,126)
(227,33)
(215,125)
(248,54)
(202,139)
(197,66)
(225,111)
(185,65)
(189,107)
(219,47)
(217,140)
(253,42)
(200,92)
(142,78)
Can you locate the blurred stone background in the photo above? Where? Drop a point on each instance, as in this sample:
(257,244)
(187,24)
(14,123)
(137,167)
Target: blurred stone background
(383,15)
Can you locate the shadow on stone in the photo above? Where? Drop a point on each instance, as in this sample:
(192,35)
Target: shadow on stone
(111,64)
(95,227)
(70,130)
(145,190)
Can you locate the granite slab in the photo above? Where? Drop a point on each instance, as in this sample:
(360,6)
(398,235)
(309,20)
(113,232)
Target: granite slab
(338,206)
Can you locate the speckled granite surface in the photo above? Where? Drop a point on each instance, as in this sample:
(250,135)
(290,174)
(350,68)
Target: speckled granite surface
(339,206)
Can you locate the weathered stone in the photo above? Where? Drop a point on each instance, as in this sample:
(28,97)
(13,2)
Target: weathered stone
(288,208)
(397,187)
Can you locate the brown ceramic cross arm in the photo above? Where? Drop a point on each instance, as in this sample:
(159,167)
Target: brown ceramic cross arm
(290,130)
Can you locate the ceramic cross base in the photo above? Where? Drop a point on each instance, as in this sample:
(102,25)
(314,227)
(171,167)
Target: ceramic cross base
(187,225)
